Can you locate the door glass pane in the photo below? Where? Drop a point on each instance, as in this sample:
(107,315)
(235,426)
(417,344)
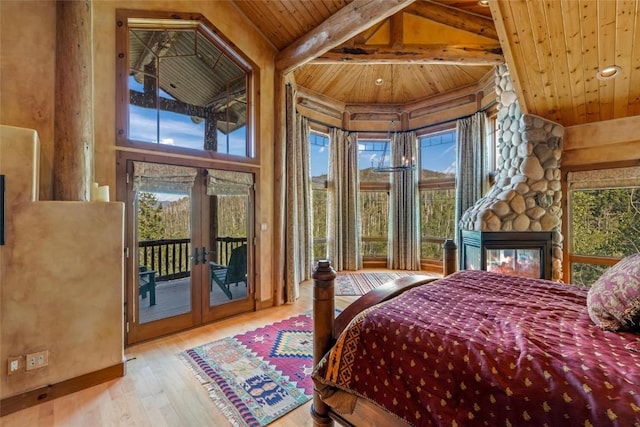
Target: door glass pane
(229,199)
(163,229)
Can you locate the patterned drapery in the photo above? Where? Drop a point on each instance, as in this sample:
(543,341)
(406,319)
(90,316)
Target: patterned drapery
(404,231)
(470,136)
(344,210)
(298,234)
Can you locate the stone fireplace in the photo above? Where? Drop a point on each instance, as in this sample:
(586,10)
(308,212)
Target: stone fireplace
(527,195)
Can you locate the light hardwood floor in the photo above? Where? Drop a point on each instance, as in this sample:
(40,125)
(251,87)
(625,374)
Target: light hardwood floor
(158,389)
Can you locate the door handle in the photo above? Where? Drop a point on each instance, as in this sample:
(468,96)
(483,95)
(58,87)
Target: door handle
(196,261)
(204,255)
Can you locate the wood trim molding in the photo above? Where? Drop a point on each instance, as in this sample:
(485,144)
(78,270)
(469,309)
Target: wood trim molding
(46,393)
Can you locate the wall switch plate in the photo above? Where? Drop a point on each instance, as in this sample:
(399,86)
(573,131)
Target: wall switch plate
(15,364)
(37,360)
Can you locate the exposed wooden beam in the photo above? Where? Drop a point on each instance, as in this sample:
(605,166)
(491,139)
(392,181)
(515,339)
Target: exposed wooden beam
(397,31)
(414,54)
(455,18)
(337,29)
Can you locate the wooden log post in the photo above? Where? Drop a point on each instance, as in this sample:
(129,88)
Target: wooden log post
(323,321)
(449,263)
(73,124)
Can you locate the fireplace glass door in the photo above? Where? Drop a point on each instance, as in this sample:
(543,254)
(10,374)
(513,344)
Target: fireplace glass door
(525,254)
(519,262)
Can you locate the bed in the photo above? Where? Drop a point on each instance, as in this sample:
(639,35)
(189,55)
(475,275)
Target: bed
(477,348)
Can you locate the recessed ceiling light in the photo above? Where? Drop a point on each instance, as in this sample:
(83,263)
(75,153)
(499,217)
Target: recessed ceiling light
(379,81)
(483,3)
(609,72)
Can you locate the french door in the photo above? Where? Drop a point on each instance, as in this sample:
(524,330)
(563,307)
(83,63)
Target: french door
(190,251)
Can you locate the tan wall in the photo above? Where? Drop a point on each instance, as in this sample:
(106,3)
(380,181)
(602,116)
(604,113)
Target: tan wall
(62,275)
(31,303)
(27,77)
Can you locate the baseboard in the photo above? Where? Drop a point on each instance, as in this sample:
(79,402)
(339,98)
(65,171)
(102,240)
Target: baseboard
(31,398)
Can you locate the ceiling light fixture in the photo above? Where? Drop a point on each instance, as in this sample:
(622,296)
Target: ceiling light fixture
(379,81)
(483,3)
(405,165)
(609,72)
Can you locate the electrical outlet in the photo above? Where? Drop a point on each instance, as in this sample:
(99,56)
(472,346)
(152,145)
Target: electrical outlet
(15,364)
(37,360)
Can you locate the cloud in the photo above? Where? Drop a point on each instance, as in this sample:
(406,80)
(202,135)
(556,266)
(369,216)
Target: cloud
(174,129)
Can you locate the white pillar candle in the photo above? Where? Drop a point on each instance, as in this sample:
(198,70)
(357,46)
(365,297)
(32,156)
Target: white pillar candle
(93,191)
(102,194)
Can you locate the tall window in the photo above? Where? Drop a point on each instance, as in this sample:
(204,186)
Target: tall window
(182,86)
(604,220)
(319,152)
(374,199)
(437,192)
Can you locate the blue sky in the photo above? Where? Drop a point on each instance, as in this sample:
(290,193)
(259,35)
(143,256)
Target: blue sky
(438,154)
(149,125)
(176,129)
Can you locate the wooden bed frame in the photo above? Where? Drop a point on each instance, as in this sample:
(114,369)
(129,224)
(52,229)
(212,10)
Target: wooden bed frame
(327,327)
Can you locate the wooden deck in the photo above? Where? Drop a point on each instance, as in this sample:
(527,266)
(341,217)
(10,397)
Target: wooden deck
(173,297)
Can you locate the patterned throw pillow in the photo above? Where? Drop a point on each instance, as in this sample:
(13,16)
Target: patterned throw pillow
(613,301)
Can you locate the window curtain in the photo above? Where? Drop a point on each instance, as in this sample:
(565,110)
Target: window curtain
(470,142)
(604,178)
(298,234)
(344,210)
(156,177)
(404,231)
(228,183)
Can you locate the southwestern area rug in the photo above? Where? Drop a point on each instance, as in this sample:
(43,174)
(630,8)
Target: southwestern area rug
(258,376)
(347,284)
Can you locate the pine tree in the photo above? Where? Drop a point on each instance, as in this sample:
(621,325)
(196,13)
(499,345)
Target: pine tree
(149,217)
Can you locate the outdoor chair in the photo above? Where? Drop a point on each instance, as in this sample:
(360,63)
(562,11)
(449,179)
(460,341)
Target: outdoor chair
(147,284)
(235,272)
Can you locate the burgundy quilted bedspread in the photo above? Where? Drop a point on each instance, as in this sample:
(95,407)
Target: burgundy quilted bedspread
(480,348)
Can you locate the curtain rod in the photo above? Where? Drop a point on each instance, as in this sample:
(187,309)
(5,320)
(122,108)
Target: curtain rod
(443,122)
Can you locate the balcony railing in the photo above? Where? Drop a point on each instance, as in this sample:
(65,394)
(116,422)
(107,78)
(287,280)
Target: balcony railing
(170,258)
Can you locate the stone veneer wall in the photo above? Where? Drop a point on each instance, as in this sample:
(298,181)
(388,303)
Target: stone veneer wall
(527,193)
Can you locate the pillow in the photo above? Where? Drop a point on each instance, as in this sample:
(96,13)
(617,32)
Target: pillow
(613,301)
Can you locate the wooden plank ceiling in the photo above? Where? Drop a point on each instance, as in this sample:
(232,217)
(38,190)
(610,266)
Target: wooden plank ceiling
(553,49)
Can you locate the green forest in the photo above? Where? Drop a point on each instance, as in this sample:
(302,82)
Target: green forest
(171,219)
(604,223)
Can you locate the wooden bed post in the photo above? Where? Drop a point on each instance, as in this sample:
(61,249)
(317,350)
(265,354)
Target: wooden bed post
(323,310)
(449,263)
